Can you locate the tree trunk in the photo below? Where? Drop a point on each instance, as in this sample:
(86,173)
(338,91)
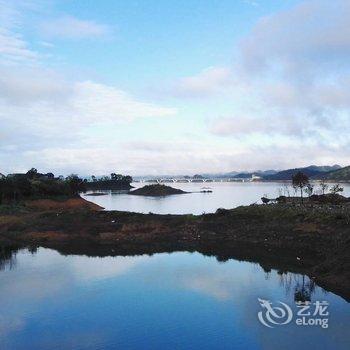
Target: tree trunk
(301,194)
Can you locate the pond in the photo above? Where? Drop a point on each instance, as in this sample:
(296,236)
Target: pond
(164,301)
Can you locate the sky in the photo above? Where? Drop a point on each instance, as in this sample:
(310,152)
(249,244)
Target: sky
(173,87)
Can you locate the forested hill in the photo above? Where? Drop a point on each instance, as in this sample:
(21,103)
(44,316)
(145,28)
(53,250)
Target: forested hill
(342,174)
(312,171)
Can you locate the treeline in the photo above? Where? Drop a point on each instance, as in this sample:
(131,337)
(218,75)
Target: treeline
(317,192)
(38,185)
(301,182)
(112,182)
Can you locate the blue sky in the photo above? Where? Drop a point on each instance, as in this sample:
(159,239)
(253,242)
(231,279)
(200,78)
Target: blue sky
(152,41)
(173,87)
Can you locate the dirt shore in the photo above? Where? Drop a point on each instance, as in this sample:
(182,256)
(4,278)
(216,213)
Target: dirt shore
(309,239)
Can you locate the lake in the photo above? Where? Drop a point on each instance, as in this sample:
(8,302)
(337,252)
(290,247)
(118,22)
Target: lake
(225,195)
(164,301)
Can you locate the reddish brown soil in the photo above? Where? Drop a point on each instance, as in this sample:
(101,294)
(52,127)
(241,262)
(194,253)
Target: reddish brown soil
(72,203)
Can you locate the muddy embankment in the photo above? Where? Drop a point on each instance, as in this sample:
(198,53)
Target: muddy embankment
(308,239)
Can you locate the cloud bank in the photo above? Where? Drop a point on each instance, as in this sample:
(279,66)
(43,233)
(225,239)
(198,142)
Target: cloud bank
(43,111)
(294,66)
(284,101)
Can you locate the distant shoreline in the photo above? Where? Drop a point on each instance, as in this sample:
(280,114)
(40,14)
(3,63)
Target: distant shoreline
(235,181)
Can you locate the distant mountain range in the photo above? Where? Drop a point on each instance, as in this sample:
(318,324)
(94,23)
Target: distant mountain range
(263,174)
(240,175)
(327,172)
(342,174)
(312,171)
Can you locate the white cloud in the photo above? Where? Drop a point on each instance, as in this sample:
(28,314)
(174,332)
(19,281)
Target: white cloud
(243,125)
(68,27)
(298,58)
(39,109)
(46,44)
(13,49)
(10,13)
(291,81)
(49,97)
(97,102)
(311,37)
(288,90)
(294,67)
(87,269)
(43,112)
(176,157)
(207,83)
(30,86)
(169,157)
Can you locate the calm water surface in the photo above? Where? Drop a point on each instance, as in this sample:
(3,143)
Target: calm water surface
(225,195)
(166,301)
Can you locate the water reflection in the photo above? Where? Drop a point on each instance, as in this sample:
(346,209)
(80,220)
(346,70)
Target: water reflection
(303,290)
(8,257)
(164,301)
(207,281)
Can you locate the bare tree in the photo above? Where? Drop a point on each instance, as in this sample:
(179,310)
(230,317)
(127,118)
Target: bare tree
(295,189)
(286,190)
(280,192)
(336,189)
(309,190)
(323,186)
(300,181)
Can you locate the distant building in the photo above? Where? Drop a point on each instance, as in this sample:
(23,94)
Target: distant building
(255,178)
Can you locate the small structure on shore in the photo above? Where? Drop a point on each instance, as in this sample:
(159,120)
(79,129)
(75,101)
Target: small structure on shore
(96,194)
(206,190)
(265,200)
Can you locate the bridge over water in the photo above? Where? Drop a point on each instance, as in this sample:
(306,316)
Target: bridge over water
(192,180)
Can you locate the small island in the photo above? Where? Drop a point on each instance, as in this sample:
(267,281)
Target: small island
(156,191)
